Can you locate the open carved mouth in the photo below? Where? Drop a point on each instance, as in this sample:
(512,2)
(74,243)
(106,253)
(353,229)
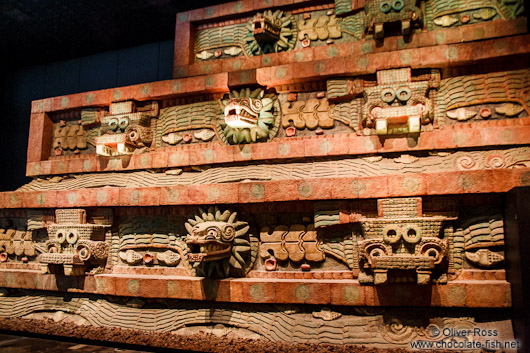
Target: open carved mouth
(207,250)
(112,145)
(238,115)
(264,30)
(411,116)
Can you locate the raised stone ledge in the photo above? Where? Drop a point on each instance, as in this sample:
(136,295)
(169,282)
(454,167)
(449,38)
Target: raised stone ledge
(485,133)
(397,52)
(414,184)
(438,56)
(460,293)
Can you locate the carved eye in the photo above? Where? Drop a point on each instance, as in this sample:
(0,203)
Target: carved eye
(388,95)
(83,253)
(256,105)
(385,7)
(377,252)
(52,249)
(244,102)
(134,136)
(229,233)
(398,5)
(434,251)
(403,94)
(212,232)
(113,124)
(391,235)
(412,235)
(72,236)
(124,122)
(61,236)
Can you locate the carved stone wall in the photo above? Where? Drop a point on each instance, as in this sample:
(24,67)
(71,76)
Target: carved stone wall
(338,165)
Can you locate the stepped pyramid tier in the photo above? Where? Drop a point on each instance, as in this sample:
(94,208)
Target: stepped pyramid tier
(327,172)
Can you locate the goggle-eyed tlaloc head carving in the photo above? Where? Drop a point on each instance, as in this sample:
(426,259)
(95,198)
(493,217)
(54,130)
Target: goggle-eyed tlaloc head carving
(125,130)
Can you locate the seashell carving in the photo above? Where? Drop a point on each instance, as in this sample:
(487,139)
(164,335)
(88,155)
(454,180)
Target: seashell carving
(461,114)
(131,257)
(509,109)
(204,55)
(170,258)
(172,138)
(326,314)
(204,135)
(484,258)
(439,154)
(233,51)
(406,159)
(495,161)
(56,179)
(445,21)
(373,159)
(485,14)
(465,162)
(176,171)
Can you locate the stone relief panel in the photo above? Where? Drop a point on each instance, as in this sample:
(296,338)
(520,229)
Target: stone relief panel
(219,244)
(267,32)
(122,130)
(151,240)
(402,239)
(499,95)
(249,116)
(211,243)
(275,31)
(16,241)
(397,104)
(390,103)
(323,28)
(125,129)
(427,238)
(374,327)
(442,14)
(416,240)
(480,240)
(270,32)
(181,124)
(295,243)
(75,245)
(382,12)
(245,116)
(310,114)
(71,137)
(345,167)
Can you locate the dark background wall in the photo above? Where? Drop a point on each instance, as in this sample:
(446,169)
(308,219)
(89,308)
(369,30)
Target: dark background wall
(144,63)
(56,47)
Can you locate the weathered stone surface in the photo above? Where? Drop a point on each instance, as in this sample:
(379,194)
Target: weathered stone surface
(307,159)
